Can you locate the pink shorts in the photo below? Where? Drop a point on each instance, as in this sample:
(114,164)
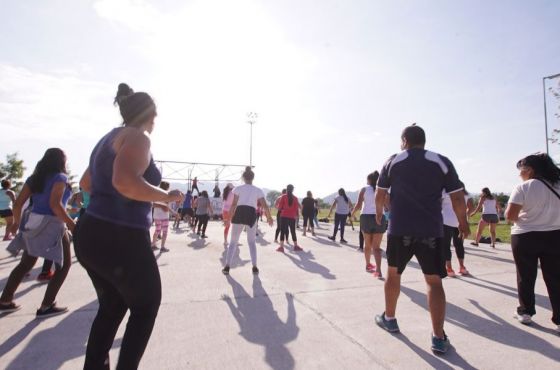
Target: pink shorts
(162,226)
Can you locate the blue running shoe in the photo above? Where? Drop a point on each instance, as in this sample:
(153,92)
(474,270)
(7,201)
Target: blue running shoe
(390,325)
(440,345)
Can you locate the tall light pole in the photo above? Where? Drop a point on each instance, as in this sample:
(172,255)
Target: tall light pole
(545,113)
(251,119)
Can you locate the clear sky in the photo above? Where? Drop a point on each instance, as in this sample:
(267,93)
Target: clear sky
(333,82)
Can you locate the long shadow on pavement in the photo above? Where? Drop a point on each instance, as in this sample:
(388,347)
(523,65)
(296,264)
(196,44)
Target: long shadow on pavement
(52,347)
(260,324)
(306,261)
(494,328)
(236,261)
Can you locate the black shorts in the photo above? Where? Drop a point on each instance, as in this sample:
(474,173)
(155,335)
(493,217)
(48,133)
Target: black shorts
(369,225)
(5,213)
(187,212)
(428,251)
(490,218)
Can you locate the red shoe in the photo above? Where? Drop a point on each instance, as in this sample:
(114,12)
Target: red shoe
(450,272)
(377,274)
(297,248)
(370,268)
(8,237)
(463,271)
(45,276)
(280,249)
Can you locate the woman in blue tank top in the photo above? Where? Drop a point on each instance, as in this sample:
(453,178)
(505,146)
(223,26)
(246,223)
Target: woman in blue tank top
(112,238)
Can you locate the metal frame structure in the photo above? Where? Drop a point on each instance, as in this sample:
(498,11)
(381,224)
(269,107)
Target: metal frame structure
(551,77)
(186,171)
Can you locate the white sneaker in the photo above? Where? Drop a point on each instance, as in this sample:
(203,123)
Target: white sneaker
(524,319)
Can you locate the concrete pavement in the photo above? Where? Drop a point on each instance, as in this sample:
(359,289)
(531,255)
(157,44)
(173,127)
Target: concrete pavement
(308,310)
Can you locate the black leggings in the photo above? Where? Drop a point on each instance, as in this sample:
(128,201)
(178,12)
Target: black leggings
(202,223)
(307,218)
(124,272)
(339,221)
(528,250)
(288,224)
(452,233)
(279,227)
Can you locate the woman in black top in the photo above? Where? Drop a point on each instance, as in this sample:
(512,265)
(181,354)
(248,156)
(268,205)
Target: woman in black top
(308,211)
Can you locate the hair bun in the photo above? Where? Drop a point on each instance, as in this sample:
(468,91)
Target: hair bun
(248,168)
(122,92)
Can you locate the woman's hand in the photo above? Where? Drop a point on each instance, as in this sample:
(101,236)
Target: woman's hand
(174,195)
(15,227)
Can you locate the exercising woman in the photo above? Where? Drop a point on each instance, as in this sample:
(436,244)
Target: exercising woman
(7,199)
(308,212)
(203,212)
(490,210)
(289,207)
(343,206)
(226,215)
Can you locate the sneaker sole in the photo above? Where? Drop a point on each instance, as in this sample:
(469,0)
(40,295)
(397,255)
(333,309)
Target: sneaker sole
(11,310)
(437,350)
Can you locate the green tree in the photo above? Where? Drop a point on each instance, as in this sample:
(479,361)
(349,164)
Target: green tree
(272,196)
(13,170)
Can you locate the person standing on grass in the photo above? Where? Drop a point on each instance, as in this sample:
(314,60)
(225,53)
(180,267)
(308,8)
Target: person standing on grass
(203,212)
(343,206)
(44,232)
(308,213)
(372,231)
(490,210)
(246,199)
(113,237)
(534,209)
(7,199)
(416,178)
(161,220)
(289,207)
(226,214)
(451,233)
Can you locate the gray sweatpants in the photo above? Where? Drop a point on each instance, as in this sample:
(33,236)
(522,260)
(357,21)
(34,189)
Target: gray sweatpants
(236,230)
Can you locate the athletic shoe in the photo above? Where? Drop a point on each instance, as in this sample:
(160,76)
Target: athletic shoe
(255,270)
(204,236)
(474,243)
(360,249)
(390,325)
(370,268)
(198,233)
(280,249)
(297,248)
(331,238)
(377,274)
(450,272)
(523,318)
(493,246)
(463,271)
(313,234)
(225,270)
(440,345)
(53,310)
(45,276)
(154,247)
(9,307)
(163,249)
(343,241)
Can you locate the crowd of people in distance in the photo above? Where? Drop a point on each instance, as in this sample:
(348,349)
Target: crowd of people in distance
(416,198)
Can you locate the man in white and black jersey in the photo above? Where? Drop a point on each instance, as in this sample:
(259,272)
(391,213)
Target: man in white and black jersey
(416,178)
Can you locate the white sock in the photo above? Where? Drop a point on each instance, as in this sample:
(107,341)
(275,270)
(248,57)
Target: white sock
(388,318)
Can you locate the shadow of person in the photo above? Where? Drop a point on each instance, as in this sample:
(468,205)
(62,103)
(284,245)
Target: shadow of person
(306,261)
(493,328)
(260,238)
(260,324)
(56,345)
(198,244)
(236,260)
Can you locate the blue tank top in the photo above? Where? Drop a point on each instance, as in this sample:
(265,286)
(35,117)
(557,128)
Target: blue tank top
(106,202)
(5,200)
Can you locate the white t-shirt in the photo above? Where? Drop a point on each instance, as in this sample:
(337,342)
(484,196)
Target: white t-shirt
(449,216)
(342,206)
(489,207)
(368,207)
(248,195)
(160,214)
(540,209)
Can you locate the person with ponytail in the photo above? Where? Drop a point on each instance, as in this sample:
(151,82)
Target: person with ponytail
(343,206)
(113,236)
(371,230)
(308,213)
(246,199)
(226,215)
(490,210)
(534,210)
(43,232)
(289,209)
